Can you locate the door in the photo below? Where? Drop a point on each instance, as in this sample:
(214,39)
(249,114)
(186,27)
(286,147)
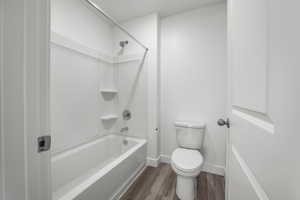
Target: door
(24,63)
(264,85)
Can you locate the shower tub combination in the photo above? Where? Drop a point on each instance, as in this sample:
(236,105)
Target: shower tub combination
(99,170)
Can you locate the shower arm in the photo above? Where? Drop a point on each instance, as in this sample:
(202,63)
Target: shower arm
(115,22)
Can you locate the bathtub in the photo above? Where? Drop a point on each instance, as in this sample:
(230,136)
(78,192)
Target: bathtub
(99,170)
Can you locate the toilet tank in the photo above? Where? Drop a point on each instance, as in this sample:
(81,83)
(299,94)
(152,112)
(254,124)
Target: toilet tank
(189,134)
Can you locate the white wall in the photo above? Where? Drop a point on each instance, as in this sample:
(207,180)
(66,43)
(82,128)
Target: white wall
(74,20)
(144,105)
(76,79)
(193,78)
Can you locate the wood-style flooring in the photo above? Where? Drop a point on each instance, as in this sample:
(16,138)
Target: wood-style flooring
(159,184)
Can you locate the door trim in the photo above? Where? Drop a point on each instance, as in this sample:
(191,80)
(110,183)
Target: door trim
(2,170)
(24,101)
(228,144)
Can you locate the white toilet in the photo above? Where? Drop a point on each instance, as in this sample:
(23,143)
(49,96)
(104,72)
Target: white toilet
(187,160)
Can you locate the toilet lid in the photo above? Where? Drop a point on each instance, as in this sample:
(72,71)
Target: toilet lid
(187,160)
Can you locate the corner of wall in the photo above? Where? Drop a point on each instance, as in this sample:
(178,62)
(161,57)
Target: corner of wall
(153,162)
(159,84)
(1,106)
(153,103)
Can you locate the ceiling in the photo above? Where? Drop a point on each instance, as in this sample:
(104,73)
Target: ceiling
(126,9)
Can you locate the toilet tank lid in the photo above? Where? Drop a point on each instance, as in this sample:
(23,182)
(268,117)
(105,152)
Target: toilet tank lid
(190,124)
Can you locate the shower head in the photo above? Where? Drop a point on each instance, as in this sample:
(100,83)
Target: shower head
(123,43)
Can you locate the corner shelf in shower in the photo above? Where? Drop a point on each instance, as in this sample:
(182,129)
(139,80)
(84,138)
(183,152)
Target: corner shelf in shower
(109,117)
(109,91)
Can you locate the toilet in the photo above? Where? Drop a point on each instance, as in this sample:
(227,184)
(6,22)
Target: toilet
(187,160)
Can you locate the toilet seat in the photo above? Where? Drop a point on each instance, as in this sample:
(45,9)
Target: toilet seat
(187,161)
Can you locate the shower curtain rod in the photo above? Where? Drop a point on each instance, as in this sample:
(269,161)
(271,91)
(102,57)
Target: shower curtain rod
(115,22)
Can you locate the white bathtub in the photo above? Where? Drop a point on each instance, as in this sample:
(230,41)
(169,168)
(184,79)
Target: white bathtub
(98,170)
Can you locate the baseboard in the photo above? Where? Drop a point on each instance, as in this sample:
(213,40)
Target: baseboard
(207,167)
(165,159)
(153,162)
(213,169)
(123,189)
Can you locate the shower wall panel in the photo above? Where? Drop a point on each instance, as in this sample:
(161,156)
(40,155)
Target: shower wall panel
(81,65)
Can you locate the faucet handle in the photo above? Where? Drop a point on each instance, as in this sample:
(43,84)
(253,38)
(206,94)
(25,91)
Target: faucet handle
(124,129)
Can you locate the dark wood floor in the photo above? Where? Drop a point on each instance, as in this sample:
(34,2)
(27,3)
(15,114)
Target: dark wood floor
(159,184)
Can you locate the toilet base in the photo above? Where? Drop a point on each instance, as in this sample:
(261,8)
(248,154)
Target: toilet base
(186,187)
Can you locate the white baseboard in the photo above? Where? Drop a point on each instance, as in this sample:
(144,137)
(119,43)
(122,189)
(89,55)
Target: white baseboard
(153,162)
(165,159)
(214,169)
(207,167)
(123,189)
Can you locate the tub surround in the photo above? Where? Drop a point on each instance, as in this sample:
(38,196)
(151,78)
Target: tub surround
(145,105)
(87,44)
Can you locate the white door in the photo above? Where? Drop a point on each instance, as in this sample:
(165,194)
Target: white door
(264,74)
(24,53)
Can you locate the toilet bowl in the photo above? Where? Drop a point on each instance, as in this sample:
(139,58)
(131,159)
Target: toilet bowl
(186,160)
(186,163)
